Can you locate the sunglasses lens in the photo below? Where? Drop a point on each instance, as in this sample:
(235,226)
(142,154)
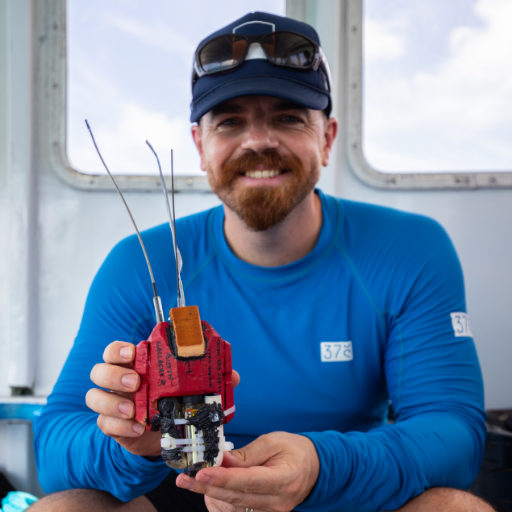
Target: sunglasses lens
(288,49)
(222,53)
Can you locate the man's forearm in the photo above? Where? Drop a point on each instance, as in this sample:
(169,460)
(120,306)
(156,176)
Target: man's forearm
(383,468)
(71,452)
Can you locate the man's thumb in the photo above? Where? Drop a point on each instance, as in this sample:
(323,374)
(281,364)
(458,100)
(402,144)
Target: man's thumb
(254,454)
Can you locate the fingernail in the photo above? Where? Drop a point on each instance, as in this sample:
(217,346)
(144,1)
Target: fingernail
(126,408)
(138,428)
(203,477)
(126,352)
(186,484)
(129,380)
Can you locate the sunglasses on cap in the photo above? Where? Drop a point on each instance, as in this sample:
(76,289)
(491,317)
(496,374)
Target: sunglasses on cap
(282,48)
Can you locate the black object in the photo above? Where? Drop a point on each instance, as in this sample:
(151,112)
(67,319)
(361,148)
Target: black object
(208,418)
(5,486)
(494,481)
(165,423)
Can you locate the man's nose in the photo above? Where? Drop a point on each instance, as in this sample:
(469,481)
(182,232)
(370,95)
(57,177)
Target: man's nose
(258,137)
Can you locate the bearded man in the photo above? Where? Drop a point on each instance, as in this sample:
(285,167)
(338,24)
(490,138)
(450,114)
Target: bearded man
(332,308)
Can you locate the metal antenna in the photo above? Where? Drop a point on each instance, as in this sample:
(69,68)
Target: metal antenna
(172,225)
(156,299)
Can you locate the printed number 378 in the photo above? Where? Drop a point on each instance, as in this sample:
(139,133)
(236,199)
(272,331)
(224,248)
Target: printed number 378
(334,351)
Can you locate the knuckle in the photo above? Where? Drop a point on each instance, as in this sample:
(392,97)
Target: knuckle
(242,453)
(252,486)
(294,488)
(89,398)
(101,422)
(236,498)
(267,440)
(109,350)
(96,369)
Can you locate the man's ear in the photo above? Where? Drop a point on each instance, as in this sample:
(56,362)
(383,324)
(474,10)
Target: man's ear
(198,141)
(330,132)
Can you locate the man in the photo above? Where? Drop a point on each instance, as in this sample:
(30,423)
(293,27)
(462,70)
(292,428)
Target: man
(332,308)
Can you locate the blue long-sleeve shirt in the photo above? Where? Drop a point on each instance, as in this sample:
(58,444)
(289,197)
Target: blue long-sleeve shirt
(321,344)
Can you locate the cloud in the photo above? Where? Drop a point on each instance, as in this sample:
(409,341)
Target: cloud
(456,117)
(161,36)
(121,136)
(382,41)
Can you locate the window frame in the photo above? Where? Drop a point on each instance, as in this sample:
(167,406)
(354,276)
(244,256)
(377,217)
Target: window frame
(361,167)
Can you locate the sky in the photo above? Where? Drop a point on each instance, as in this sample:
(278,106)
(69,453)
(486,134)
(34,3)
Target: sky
(437,81)
(129,70)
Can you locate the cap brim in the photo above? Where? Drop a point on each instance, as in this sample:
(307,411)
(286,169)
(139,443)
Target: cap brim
(276,87)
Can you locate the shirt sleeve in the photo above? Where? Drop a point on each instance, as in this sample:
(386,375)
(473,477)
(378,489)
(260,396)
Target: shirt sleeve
(434,383)
(71,451)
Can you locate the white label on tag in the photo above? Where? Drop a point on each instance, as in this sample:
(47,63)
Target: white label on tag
(336,351)
(460,322)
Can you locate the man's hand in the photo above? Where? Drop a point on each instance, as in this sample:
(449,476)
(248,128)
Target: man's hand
(274,473)
(116,409)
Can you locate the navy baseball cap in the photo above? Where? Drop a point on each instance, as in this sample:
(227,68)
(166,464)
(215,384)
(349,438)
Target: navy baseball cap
(258,76)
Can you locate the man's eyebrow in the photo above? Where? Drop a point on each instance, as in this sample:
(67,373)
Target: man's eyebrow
(281,106)
(225,108)
(290,105)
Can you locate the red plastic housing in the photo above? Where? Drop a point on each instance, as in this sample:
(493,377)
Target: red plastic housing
(163,375)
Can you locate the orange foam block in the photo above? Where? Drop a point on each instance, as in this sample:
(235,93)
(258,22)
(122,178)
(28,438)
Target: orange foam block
(188,330)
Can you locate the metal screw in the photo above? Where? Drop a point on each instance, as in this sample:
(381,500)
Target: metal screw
(190,182)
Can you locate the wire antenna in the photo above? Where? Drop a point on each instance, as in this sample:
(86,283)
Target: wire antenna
(172,224)
(156,299)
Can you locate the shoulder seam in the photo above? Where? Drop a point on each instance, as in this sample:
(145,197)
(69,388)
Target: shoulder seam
(380,314)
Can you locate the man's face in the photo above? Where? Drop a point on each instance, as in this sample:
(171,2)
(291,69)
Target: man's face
(263,155)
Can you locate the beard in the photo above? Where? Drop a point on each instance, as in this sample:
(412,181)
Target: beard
(259,207)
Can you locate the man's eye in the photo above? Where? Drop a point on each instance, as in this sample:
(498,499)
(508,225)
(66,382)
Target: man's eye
(231,121)
(290,119)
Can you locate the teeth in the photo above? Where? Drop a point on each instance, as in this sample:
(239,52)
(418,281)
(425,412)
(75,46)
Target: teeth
(263,174)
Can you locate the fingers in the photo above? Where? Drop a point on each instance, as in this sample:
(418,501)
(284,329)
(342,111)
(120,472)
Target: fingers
(109,404)
(235,378)
(256,480)
(234,500)
(116,427)
(116,378)
(250,488)
(219,506)
(120,353)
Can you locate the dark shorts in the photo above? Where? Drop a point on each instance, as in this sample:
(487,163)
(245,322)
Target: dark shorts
(169,498)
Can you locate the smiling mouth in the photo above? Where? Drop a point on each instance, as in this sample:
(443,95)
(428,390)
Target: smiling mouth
(267,173)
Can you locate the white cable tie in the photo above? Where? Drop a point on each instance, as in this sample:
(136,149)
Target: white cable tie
(189,449)
(190,441)
(168,443)
(181,422)
(229,411)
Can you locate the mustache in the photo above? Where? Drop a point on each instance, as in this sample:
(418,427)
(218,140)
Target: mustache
(268,158)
